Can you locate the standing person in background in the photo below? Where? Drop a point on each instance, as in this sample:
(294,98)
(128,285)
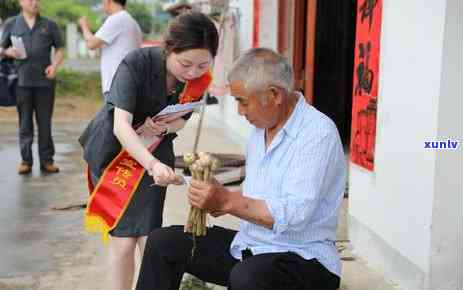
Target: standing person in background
(119,35)
(36,79)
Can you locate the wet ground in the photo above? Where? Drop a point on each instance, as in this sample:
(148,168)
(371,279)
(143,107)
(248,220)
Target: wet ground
(40,244)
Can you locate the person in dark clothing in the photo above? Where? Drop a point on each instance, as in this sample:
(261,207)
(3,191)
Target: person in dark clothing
(36,79)
(146,81)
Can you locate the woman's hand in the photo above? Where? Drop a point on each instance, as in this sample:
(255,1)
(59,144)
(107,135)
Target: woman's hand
(12,52)
(162,174)
(151,128)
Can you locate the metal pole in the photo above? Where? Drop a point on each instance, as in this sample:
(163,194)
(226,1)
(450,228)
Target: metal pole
(200,124)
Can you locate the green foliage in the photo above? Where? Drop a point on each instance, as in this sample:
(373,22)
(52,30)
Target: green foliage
(141,13)
(89,2)
(72,83)
(65,11)
(8,8)
(161,19)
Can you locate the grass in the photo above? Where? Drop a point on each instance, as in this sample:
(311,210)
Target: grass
(72,83)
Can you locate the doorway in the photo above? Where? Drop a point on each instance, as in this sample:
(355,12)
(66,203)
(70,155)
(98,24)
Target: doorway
(334,62)
(321,51)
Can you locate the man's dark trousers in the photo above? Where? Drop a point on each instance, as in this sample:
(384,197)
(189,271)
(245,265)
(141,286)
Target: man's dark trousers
(168,255)
(38,101)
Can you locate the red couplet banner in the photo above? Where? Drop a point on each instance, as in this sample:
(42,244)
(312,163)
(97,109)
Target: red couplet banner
(366,76)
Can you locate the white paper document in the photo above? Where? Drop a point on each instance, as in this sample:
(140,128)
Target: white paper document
(169,114)
(179,108)
(18,44)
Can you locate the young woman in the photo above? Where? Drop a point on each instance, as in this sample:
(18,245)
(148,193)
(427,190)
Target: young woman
(146,81)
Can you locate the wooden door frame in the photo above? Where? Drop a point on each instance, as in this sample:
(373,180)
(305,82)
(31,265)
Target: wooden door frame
(283,24)
(256,6)
(303,53)
(298,57)
(310,50)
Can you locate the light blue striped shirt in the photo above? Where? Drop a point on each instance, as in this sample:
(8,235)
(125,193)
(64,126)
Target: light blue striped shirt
(301,177)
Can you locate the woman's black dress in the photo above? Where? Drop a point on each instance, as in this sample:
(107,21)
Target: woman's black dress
(139,87)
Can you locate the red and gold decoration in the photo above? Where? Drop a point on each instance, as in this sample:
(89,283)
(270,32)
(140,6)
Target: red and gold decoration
(366,76)
(119,181)
(193,93)
(111,196)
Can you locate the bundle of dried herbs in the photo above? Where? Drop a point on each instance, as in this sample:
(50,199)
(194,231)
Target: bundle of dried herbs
(201,166)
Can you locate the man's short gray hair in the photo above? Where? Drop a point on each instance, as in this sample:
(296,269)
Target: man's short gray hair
(259,68)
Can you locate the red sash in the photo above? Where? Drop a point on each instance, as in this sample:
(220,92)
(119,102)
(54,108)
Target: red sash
(111,196)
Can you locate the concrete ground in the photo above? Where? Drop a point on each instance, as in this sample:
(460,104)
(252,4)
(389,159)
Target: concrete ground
(47,249)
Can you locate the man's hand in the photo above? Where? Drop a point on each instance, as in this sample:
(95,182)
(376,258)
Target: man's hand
(84,23)
(218,200)
(50,72)
(12,52)
(211,196)
(91,41)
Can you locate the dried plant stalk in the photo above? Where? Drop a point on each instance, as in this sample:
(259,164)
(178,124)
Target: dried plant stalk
(201,166)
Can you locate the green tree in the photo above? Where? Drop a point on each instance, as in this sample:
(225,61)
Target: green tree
(65,11)
(89,2)
(8,8)
(141,13)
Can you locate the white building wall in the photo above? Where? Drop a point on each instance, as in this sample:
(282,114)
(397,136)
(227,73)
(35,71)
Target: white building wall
(447,220)
(245,10)
(227,112)
(391,209)
(268,36)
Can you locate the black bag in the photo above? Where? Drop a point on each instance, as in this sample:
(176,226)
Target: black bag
(8,79)
(8,83)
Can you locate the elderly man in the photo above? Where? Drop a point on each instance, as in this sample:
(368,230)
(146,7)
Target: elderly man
(289,206)
(36,79)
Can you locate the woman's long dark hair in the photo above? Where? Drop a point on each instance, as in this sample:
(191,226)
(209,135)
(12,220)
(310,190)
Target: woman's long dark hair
(191,30)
